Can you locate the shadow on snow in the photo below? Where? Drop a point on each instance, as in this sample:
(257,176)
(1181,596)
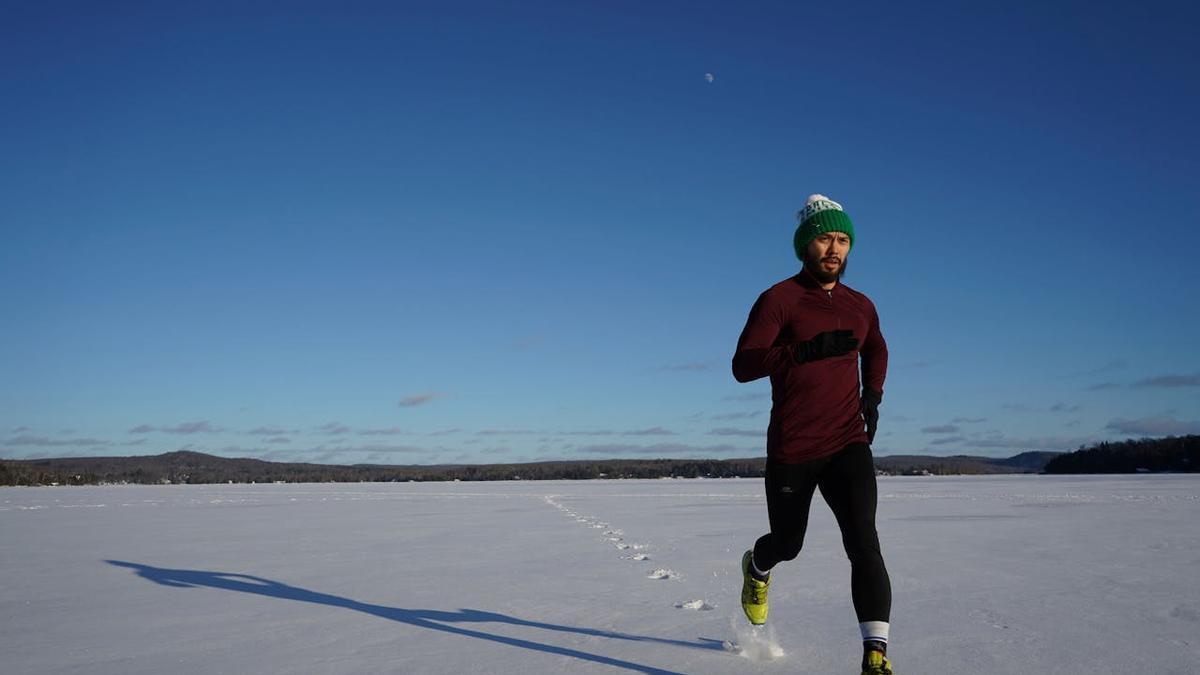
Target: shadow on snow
(424,618)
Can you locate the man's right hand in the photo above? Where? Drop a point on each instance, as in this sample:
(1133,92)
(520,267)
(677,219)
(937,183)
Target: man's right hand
(824,345)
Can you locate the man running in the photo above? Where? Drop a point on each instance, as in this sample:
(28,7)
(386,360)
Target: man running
(807,333)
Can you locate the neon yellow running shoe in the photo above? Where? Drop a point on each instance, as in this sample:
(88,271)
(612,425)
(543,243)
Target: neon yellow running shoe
(754,593)
(875,663)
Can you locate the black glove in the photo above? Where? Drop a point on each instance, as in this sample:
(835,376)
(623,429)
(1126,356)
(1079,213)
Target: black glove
(824,345)
(870,411)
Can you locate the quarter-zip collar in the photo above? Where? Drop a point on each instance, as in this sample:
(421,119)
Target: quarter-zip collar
(805,279)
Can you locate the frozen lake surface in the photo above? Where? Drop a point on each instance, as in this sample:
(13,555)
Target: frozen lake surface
(1012,574)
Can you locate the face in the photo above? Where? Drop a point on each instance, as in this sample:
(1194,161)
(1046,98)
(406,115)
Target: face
(825,257)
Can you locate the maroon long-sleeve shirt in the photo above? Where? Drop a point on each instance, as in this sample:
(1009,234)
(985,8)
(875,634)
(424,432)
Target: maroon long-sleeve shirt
(815,406)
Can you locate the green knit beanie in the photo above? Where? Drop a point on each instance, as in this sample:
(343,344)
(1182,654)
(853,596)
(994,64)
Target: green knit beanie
(820,215)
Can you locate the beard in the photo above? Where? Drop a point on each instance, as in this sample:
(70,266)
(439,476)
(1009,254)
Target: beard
(813,265)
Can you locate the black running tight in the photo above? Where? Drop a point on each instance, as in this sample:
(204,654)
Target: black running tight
(847,482)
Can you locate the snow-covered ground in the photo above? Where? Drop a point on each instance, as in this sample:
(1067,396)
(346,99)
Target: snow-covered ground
(1028,575)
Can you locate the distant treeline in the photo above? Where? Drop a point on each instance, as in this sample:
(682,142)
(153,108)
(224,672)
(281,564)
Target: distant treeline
(1168,454)
(195,467)
(1173,453)
(956,465)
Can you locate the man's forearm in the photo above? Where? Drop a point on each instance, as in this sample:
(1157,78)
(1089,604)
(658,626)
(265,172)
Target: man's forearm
(751,364)
(874,369)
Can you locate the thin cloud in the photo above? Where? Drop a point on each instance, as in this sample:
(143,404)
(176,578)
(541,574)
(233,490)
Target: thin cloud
(1055,443)
(729,431)
(201,427)
(418,399)
(390,431)
(597,432)
(943,429)
(333,428)
(1170,381)
(1154,426)
(279,439)
(373,448)
(229,450)
(324,454)
(19,430)
(652,431)
(1104,385)
(658,449)
(947,439)
(346,455)
(990,433)
(444,432)
(506,432)
(999,443)
(44,442)
(736,416)
(270,431)
(968,420)
(1056,408)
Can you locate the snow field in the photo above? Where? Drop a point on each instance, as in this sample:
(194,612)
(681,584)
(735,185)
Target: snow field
(1021,574)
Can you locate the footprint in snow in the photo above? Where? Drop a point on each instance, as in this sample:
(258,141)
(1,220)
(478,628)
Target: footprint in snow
(663,574)
(1186,613)
(698,605)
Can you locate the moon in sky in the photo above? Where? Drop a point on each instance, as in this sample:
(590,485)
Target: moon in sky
(708,77)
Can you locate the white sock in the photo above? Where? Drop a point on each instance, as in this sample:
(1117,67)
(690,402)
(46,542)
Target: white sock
(874,630)
(757,571)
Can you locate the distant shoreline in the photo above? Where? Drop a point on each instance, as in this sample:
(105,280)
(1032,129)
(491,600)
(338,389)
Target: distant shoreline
(1171,454)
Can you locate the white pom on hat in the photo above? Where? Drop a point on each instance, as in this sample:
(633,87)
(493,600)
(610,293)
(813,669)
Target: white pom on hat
(815,204)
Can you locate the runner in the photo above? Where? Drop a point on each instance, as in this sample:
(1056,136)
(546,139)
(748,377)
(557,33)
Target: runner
(807,333)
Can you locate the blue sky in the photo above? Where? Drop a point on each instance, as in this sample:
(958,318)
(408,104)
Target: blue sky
(469,232)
